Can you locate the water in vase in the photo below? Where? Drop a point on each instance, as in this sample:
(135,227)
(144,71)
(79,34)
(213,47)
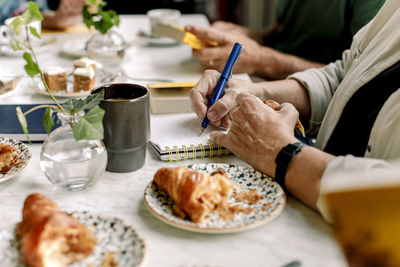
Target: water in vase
(73,165)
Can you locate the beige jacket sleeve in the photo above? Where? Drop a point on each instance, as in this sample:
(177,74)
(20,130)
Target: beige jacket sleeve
(321,85)
(374,49)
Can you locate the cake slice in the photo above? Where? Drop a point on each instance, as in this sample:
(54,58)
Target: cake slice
(85,62)
(84,79)
(55,78)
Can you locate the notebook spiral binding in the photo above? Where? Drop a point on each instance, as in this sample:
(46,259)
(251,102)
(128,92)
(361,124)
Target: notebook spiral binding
(175,153)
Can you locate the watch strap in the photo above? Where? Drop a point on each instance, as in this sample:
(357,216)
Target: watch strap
(283,159)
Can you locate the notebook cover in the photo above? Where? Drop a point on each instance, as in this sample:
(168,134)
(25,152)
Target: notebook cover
(10,127)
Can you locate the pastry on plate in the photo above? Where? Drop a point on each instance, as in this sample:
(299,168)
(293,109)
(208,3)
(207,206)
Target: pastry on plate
(8,157)
(50,237)
(55,78)
(85,62)
(195,193)
(84,79)
(8,84)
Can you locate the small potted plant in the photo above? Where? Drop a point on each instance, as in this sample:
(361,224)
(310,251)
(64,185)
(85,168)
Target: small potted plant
(73,156)
(106,44)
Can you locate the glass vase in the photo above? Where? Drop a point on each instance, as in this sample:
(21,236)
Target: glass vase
(108,48)
(70,164)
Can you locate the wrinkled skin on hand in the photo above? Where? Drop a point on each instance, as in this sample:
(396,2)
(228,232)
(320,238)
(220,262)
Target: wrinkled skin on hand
(202,92)
(230,27)
(258,131)
(216,57)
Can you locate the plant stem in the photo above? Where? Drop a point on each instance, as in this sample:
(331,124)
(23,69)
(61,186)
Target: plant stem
(37,107)
(41,73)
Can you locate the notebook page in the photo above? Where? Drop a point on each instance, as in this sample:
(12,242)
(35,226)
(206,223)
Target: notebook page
(178,130)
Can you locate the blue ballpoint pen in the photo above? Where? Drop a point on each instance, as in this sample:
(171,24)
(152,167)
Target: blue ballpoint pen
(223,79)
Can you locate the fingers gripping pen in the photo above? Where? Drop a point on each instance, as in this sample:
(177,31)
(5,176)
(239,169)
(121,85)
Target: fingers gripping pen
(223,79)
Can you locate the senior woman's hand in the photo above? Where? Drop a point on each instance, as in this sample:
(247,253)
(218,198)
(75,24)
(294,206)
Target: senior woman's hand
(259,131)
(230,27)
(202,92)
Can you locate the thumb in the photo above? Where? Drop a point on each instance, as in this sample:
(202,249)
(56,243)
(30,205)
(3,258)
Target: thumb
(208,34)
(218,138)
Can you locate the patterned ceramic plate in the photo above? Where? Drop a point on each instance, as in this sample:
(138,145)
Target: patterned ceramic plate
(272,204)
(113,236)
(25,156)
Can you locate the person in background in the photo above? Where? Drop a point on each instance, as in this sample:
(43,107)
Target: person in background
(353,104)
(67,13)
(306,34)
(141,7)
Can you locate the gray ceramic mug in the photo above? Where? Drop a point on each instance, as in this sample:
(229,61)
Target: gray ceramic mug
(126,125)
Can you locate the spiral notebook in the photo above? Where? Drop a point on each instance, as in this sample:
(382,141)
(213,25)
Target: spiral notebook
(174,138)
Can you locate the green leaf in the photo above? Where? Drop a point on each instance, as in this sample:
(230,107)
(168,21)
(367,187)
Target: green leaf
(90,127)
(22,122)
(108,20)
(33,12)
(18,45)
(94,15)
(48,122)
(75,105)
(18,23)
(34,32)
(114,17)
(92,2)
(87,17)
(31,67)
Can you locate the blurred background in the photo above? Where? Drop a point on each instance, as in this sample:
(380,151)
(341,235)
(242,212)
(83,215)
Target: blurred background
(237,11)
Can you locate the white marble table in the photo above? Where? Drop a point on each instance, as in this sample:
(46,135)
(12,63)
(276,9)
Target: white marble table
(299,233)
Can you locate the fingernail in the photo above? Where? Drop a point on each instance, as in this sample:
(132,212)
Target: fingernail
(212,115)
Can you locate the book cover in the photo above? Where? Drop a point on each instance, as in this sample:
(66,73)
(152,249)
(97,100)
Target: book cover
(10,127)
(167,98)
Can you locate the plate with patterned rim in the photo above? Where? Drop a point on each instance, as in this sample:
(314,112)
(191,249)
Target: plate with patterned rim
(25,155)
(274,199)
(113,236)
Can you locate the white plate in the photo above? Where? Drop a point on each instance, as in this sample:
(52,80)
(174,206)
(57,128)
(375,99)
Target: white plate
(148,39)
(39,46)
(9,77)
(112,234)
(75,48)
(25,155)
(161,205)
(102,77)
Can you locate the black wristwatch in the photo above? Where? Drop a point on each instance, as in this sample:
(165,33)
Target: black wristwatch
(283,159)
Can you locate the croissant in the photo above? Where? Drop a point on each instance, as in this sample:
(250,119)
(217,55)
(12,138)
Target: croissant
(50,237)
(195,193)
(8,157)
